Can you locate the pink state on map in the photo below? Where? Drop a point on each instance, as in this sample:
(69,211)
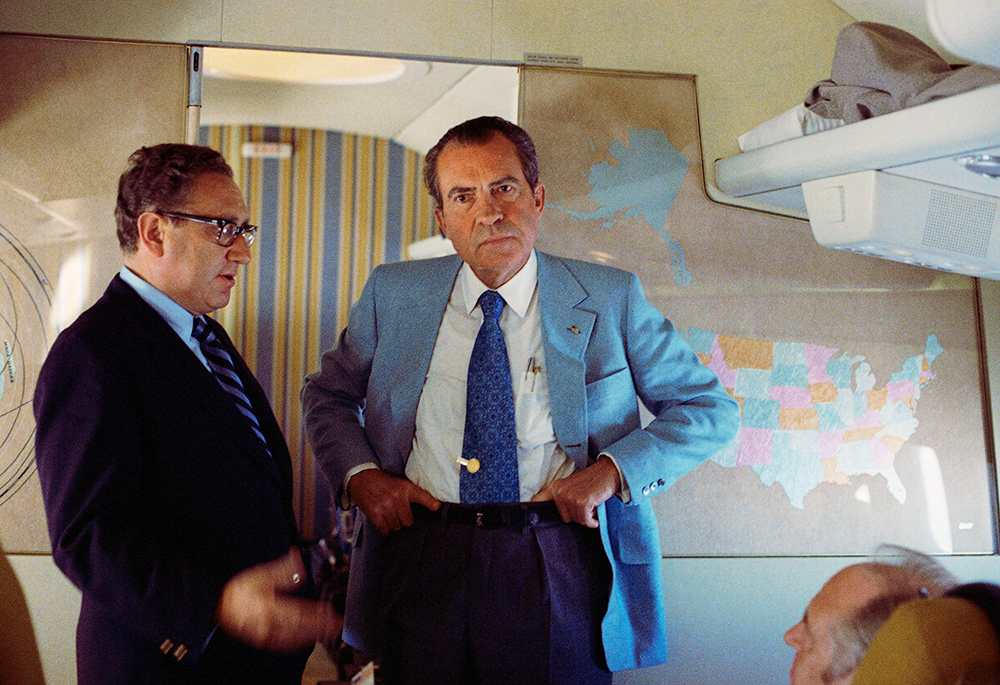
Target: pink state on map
(901,390)
(817,357)
(880,453)
(791,396)
(718,364)
(867,420)
(756,445)
(829,443)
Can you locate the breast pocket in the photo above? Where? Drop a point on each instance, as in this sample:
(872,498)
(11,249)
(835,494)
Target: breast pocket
(611,391)
(533,413)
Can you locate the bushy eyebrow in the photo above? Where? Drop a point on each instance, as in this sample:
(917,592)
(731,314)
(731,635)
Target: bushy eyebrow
(461,190)
(505,181)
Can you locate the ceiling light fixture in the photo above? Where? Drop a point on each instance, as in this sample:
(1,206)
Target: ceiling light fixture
(300,67)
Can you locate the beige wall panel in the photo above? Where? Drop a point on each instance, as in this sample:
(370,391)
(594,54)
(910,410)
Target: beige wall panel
(437,28)
(71,112)
(753,60)
(167,21)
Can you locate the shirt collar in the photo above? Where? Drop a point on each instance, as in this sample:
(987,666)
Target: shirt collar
(516,292)
(180,319)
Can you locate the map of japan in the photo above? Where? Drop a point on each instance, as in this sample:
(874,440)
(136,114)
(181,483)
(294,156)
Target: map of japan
(812,414)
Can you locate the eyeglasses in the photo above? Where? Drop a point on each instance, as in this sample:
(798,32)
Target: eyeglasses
(228,231)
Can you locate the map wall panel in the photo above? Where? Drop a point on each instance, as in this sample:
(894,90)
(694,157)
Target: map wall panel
(859,379)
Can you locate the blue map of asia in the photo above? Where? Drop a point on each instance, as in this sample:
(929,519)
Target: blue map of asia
(641,184)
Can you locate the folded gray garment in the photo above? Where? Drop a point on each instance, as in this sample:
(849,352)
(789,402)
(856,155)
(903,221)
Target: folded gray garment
(879,69)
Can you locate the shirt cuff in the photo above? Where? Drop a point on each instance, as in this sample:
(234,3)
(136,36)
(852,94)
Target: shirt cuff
(624,495)
(345,497)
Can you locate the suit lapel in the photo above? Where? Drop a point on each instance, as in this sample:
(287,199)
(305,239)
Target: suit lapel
(566,329)
(416,322)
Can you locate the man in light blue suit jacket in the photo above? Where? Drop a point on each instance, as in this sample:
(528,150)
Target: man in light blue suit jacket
(604,346)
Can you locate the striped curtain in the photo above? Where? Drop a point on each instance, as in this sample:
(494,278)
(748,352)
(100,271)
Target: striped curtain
(338,207)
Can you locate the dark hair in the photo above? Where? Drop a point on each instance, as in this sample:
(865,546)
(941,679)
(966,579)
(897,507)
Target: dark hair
(476,132)
(158,178)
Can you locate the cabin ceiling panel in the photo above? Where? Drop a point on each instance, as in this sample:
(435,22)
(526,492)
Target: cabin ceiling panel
(164,21)
(382,110)
(437,28)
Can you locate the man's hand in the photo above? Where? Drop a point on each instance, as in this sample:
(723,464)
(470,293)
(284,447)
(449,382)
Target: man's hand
(255,608)
(386,499)
(578,495)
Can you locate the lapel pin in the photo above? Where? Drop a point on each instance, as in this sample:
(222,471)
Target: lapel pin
(574,330)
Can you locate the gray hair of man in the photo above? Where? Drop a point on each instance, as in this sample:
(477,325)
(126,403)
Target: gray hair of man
(907,575)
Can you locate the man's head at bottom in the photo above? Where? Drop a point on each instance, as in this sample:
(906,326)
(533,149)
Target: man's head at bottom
(842,619)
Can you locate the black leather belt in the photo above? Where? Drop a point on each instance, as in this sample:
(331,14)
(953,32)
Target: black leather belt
(491,515)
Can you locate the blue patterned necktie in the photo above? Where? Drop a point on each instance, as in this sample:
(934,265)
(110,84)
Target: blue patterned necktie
(222,368)
(490,434)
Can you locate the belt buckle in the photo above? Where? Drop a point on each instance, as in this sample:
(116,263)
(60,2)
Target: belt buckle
(479,519)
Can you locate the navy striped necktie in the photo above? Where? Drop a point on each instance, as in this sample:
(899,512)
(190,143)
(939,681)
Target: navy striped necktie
(489,447)
(225,372)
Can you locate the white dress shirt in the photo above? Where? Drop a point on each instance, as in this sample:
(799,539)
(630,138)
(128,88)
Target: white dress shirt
(440,425)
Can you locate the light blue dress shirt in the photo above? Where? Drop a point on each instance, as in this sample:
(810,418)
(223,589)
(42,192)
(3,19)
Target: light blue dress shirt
(178,318)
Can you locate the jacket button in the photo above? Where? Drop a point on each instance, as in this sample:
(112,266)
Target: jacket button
(645,490)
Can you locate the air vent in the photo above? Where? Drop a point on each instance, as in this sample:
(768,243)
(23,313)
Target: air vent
(959,223)
(907,220)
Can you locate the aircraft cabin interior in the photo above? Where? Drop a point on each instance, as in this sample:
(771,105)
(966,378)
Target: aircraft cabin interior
(841,273)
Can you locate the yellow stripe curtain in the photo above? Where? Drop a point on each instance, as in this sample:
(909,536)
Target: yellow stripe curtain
(338,207)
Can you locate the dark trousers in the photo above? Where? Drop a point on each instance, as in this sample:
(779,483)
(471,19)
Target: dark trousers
(521,602)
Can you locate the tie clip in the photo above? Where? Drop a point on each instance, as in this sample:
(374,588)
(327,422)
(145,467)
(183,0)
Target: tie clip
(472,465)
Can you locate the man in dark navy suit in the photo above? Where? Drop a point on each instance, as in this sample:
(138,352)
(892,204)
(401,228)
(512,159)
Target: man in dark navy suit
(167,482)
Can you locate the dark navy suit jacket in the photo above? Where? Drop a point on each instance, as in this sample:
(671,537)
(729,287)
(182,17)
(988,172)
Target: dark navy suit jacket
(157,492)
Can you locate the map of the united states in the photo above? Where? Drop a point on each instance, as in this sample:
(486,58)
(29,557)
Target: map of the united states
(814,415)
(811,414)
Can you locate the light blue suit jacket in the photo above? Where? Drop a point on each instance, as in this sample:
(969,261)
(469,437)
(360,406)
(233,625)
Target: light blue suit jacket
(605,345)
